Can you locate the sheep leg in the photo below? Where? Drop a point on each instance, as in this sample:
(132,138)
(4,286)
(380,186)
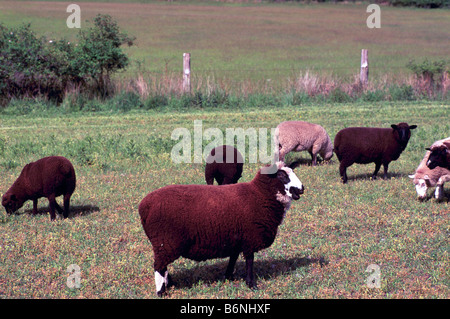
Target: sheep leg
(58,208)
(219,179)
(52,204)
(35,211)
(343,172)
(313,158)
(282,153)
(230,267)
(250,279)
(377,168)
(66,205)
(385,166)
(161,281)
(439,192)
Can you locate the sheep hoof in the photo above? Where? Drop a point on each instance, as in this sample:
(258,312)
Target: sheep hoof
(251,284)
(161,293)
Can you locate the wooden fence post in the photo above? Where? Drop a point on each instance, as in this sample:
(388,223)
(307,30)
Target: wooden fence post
(364,73)
(186,72)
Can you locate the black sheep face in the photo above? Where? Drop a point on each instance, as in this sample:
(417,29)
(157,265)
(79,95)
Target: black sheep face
(11,203)
(438,157)
(402,132)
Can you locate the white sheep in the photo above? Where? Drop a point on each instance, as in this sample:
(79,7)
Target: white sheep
(301,136)
(424,177)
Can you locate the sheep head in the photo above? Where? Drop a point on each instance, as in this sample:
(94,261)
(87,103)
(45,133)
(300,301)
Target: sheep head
(11,202)
(438,156)
(402,132)
(283,180)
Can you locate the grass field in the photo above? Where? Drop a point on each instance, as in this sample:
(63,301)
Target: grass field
(329,237)
(264,42)
(120,157)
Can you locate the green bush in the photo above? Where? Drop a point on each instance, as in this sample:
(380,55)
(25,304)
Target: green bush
(401,93)
(32,66)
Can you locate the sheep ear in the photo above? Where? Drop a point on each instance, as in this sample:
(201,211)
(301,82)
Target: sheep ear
(412,176)
(428,149)
(394,126)
(412,127)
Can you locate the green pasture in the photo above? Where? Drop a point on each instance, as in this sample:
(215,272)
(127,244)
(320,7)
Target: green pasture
(265,42)
(323,248)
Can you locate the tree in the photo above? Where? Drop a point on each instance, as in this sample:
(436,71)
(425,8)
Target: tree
(98,53)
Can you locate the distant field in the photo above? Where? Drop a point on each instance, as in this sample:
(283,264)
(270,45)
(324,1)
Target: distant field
(120,157)
(255,41)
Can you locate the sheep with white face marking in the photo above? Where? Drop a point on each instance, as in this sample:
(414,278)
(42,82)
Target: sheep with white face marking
(424,177)
(301,136)
(203,222)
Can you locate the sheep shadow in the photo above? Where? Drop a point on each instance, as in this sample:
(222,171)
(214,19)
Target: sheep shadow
(368,176)
(75,211)
(294,163)
(430,197)
(263,269)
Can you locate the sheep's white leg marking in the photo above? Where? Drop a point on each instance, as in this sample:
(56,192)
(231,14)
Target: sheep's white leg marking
(438,193)
(293,181)
(160,280)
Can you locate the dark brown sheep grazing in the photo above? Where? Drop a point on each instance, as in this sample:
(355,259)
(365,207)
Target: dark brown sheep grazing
(224,164)
(440,154)
(203,222)
(365,145)
(48,177)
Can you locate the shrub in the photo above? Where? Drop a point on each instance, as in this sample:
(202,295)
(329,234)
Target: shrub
(98,53)
(401,93)
(32,66)
(429,75)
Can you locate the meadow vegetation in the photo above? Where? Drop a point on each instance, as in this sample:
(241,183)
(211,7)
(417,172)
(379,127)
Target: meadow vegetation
(328,239)
(286,50)
(254,65)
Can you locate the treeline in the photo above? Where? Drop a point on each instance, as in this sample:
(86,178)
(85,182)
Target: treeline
(429,4)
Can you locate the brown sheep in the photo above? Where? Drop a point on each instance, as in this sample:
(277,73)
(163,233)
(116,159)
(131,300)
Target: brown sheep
(440,154)
(224,170)
(203,222)
(365,145)
(48,177)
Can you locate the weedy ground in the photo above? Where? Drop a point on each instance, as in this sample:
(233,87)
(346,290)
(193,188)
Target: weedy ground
(323,248)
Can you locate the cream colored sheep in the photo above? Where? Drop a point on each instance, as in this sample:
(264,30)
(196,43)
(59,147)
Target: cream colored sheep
(424,178)
(301,136)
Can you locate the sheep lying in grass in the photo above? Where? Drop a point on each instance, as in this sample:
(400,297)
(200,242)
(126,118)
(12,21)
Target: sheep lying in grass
(48,177)
(203,222)
(424,177)
(365,145)
(301,136)
(440,154)
(224,164)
